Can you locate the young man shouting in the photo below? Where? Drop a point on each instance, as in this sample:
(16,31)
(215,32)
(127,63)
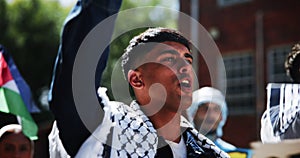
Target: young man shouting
(158,67)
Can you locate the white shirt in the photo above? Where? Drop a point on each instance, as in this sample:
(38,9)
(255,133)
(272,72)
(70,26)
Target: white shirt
(178,149)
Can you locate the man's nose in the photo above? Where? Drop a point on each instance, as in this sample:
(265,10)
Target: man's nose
(184,66)
(17,154)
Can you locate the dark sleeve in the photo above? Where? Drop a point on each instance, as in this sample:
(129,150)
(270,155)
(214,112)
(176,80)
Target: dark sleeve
(84,16)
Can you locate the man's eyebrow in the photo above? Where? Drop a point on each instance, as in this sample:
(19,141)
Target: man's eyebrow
(171,51)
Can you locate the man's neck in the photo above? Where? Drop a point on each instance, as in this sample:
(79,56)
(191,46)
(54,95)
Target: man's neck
(164,120)
(167,125)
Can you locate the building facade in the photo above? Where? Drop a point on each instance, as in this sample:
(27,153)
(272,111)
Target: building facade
(254,37)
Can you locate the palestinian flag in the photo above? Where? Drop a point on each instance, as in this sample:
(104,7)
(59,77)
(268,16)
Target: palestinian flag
(11,100)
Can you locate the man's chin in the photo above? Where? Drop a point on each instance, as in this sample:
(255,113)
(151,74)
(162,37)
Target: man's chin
(186,103)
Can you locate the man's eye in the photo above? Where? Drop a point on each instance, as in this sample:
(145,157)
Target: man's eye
(189,61)
(9,148)
(23,148)
(169,59)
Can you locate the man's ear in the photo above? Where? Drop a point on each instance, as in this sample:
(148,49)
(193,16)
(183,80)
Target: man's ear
(135,79)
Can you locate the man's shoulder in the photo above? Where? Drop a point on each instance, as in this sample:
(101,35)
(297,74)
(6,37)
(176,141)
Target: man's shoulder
(224,145)
(129,117)
(198,145)
(120,108)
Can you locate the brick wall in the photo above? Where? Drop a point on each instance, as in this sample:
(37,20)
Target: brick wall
(237,27)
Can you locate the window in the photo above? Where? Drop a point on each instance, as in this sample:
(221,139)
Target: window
(224,3)
(276,58)
(240,92)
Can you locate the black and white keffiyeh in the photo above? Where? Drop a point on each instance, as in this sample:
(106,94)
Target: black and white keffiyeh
(131,132)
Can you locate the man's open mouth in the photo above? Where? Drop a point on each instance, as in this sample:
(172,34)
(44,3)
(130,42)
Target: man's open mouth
(185,84)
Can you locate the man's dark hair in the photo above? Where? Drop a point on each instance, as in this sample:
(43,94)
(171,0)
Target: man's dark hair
(292,63)
(152,36)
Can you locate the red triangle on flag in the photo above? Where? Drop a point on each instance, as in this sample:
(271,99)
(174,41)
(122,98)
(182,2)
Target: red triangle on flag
(5,74)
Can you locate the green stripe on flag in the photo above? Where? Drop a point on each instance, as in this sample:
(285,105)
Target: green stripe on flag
(11,102)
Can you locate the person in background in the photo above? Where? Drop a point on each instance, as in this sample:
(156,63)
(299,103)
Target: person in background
(208,114)
(13,143)
(281,120)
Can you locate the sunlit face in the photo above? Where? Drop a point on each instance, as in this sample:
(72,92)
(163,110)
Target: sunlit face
(170,65)
(208,117)
(15,145)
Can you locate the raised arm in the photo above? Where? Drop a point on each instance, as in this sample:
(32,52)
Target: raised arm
(84,16)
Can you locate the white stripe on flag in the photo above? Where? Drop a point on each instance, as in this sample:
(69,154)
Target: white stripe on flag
(12,86)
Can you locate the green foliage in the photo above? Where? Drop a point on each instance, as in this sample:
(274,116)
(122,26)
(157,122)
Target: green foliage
(31,30)
(4,19)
